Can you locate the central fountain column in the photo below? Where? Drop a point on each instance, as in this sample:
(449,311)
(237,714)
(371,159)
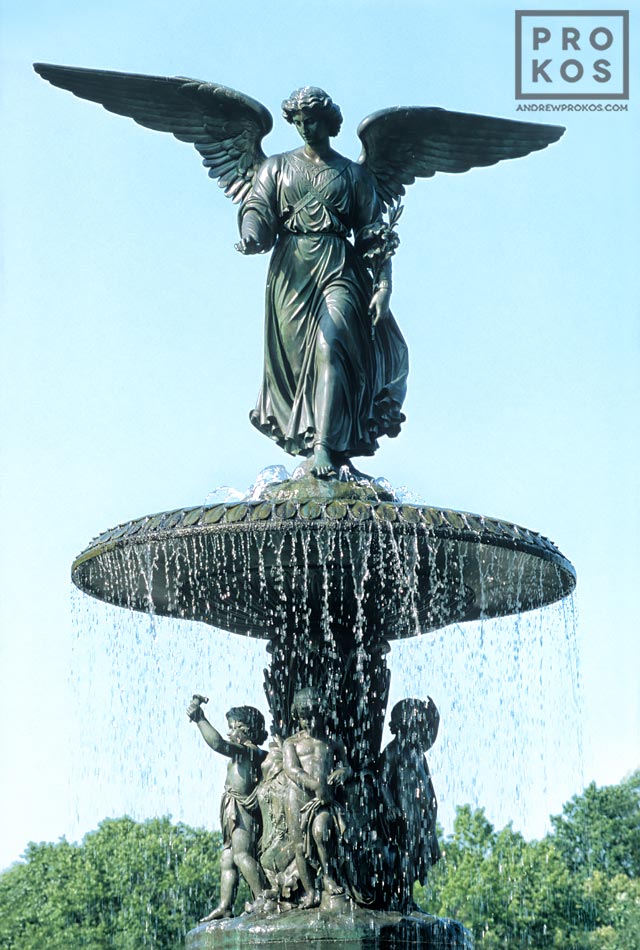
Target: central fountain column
(350,672)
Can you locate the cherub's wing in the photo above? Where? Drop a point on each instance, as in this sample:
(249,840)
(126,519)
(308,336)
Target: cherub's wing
(402,144)
(225,126)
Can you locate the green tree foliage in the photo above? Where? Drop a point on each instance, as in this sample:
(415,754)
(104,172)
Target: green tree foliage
(131,885)
(128,885)
(600,829)
(507,891)
(616,923)
(598,835)
(577,889)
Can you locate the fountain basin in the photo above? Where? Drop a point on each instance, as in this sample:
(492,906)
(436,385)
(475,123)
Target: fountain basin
(256,568)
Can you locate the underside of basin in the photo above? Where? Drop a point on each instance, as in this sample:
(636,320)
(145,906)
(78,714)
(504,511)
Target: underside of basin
(257,568)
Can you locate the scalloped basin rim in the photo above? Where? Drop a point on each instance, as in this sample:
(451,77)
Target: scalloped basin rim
(439,520)
(467,566)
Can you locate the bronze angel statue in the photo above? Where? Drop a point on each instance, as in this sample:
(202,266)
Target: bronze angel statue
(336,363)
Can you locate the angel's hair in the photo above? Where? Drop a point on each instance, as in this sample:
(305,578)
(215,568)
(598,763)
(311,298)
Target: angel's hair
(413,716)
(314,99)
(252,718)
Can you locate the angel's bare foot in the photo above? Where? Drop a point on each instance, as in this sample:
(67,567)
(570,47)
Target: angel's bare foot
(321,463)
(218,913)
(310,899)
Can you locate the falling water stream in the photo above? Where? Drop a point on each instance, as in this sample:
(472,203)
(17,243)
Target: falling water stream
(507,688)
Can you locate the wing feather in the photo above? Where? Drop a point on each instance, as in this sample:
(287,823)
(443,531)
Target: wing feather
(405,143)
(224,126)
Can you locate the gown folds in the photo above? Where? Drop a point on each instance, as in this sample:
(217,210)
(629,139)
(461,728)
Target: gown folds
(318,331)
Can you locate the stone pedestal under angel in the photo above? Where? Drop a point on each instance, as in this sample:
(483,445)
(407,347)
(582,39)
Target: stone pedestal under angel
(335,364)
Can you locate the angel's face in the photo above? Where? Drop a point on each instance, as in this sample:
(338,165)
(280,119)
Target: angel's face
(311,127)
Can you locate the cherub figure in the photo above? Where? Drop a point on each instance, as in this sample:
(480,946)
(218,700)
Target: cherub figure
(239,812)
(407,790)
(316,765)
(336,364)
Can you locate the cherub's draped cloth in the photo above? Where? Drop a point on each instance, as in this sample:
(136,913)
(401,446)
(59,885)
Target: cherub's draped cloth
(318,287)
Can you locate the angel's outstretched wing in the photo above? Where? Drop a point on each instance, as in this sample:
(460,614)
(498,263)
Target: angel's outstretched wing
(402,144)
(225,126)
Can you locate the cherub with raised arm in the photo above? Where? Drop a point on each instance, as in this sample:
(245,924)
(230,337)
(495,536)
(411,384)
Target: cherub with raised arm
(239,811)
(316,765)
(407,790)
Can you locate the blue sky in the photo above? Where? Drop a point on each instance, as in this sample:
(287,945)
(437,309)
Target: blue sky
(131,349)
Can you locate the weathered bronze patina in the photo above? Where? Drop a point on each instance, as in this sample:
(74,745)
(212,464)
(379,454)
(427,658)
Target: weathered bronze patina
(329,829)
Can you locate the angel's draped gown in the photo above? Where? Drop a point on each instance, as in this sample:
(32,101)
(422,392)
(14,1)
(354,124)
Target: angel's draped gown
(324,376)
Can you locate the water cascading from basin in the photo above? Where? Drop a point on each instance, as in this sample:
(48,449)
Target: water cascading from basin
(328,584)
(502,687)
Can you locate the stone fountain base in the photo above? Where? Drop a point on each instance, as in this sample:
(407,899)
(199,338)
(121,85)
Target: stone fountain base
(351,929)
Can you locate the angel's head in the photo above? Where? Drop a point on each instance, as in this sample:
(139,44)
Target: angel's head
(314,105)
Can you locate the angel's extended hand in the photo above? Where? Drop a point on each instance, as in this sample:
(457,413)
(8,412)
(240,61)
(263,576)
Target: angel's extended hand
(379,306)
(248,245)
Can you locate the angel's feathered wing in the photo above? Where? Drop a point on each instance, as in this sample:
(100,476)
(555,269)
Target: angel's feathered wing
(225,126)
(402,144)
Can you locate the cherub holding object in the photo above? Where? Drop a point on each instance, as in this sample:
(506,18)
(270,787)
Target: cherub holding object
(239,811)
(316,765)
(408,794)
